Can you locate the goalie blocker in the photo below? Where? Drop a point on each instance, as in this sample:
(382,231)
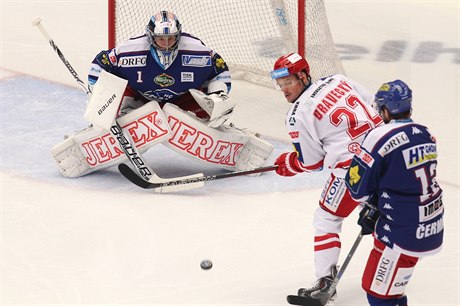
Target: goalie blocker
(224,147)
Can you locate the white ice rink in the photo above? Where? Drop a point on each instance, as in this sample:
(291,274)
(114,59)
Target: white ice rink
(99,240)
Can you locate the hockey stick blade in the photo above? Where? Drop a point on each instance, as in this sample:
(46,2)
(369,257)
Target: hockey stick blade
(127,172)
(309,301)
(303,300)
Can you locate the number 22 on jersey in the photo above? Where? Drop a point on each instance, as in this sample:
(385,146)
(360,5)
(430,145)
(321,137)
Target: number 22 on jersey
(357,117)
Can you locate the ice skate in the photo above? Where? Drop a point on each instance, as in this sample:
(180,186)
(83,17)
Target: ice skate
(320,289)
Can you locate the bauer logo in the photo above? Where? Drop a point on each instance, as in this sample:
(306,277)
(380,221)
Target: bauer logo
(196,61)
(133,61)
(106,104)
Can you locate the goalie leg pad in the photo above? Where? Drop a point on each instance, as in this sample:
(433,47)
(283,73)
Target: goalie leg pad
(224,147)
(94,148)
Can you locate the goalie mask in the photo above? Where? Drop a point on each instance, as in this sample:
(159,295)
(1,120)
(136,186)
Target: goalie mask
(396,96)
(163,33)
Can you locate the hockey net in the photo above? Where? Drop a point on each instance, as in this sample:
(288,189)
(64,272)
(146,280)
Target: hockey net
(249,35)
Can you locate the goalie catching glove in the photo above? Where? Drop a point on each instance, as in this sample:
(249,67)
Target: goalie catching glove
(288,164)
(217,105)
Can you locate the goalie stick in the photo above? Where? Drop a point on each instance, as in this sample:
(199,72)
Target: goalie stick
(99,117)
(158,184)
(310,301)
(37,23)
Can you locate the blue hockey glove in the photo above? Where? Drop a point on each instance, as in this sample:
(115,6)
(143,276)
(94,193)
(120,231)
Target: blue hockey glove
(367,219)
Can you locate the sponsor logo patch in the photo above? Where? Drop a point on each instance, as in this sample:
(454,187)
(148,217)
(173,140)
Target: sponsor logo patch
(417,155)
(220,63)
(333,193)
(105,60)
(430,210)
(113,58)
(133,61)
(187,77)
(196,61)
(365,157)
(393,143)
(354,175)
(164,80)
(279,73)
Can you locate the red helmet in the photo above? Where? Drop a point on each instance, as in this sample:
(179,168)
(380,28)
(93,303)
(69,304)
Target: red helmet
(289,64)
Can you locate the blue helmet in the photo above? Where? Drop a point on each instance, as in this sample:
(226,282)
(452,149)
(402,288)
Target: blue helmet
(396,96)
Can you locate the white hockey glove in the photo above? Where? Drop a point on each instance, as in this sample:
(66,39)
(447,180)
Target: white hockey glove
(218,106)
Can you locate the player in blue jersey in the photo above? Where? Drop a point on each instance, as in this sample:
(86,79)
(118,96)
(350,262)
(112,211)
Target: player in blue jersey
(394,172)
(163,64)
(176,94)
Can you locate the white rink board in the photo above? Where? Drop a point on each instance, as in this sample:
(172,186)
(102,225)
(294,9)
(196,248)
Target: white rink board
(98,240)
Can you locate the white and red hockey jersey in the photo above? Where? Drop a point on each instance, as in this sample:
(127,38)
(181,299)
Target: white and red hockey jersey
(329,121)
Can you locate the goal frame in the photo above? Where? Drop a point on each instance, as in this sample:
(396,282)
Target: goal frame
(300,25)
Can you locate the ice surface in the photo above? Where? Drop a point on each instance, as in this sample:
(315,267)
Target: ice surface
(99,240)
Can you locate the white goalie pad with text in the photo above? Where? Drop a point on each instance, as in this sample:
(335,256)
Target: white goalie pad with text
(94,148)
(225,147)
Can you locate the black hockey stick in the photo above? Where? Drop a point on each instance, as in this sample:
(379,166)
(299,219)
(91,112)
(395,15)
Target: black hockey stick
(309,301)
(37,23)
(113,127)
(175,183)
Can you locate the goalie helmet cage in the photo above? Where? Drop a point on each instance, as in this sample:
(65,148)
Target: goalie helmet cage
(249,35)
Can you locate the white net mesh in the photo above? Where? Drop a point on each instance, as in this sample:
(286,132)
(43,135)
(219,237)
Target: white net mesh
(250,36)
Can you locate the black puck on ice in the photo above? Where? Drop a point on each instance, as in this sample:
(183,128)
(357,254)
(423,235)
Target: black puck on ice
(206,264)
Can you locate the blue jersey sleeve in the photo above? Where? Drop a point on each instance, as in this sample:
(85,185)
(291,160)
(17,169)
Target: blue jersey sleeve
(219,72)
(105,60)
(362,176)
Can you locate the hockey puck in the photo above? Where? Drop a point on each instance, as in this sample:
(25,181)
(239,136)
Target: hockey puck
(206,264)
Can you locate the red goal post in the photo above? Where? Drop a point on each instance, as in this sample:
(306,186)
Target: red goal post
(249,35)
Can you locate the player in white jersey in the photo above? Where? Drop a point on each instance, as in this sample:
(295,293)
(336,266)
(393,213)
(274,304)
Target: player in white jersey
(326,122)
